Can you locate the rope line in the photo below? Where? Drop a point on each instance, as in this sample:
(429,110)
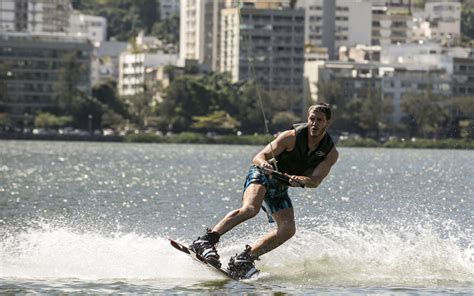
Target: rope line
(257,87)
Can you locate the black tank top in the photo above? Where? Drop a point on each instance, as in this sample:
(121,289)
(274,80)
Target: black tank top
(301,161)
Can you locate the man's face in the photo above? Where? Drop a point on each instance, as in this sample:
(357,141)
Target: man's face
(317,123)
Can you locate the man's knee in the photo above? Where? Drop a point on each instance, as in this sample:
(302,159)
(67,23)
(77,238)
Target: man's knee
(287,231)
(250,211)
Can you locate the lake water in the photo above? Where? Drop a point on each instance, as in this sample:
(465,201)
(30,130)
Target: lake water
(94,218)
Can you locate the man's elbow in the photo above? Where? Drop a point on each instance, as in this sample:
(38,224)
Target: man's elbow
(313,182)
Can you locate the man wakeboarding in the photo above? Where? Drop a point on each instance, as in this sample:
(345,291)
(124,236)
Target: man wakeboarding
(304,156)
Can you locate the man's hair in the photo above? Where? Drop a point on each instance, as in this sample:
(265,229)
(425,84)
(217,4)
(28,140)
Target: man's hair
(321,107)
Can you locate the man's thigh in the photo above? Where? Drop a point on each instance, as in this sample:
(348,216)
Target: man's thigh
(254,195)
(285,218)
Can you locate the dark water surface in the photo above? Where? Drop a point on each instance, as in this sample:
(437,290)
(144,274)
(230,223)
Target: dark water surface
(94,218)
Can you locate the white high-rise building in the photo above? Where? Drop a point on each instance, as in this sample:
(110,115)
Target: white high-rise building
(444,17)
(90,26)
(335,23)
(199,32)
(199,37)
(34,15)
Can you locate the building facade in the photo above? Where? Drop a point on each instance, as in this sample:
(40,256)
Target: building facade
(199,37)
(335,23)
(463,76)
(444,17)
(403,80)
(271,41)
(391,25)
(133,68)
(32,62)
(394,3)
(34,15)
(105,61)
(90,26)
(391,82)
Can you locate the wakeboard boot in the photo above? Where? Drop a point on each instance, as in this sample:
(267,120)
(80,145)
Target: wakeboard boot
(242,265)
(205,246)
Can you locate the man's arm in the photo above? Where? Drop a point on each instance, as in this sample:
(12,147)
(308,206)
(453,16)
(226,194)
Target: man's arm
(319,173)
(284,141)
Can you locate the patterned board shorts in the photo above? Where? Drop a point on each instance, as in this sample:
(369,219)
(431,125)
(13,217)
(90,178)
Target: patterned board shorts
(276,197)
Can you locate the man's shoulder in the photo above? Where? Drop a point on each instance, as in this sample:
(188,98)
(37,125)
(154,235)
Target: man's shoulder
(287,133)
(287,138)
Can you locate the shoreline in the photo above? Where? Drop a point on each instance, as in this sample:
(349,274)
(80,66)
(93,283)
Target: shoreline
(197,138)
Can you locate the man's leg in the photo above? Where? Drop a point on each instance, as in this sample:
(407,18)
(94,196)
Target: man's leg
(286,228)
(251,204)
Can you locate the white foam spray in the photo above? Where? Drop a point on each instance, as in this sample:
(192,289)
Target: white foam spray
(322,253)
(62,252)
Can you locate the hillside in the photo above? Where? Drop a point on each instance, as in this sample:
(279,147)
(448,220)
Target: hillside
(125,18)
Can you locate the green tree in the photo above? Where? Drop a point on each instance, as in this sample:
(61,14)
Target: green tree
(5,74)
(283,120)
(149,13)
(419,3)
(464,106)
(342,118)
(425,114)
(46,119)
(167,30)
(467,23)
(249,108)
(184,98)
(140,107)
(111,119)
(5,119)
(106,93)
(462,116)
(90,111)
(66,88)
(370,113)
(217,121)
(125,18)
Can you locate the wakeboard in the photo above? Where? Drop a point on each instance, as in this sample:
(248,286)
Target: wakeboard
(201,259)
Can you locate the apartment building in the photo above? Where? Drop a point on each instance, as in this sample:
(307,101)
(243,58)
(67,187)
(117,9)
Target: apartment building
(133,68)
(34,15)
(426,53)
(266,44)
(393,3)
(402,80)
(91,26)
(392,80)
(105,61)
(199,32)
(444,17)
(261,4)
(463,76)
(391,25)
(32,62)
(335,23)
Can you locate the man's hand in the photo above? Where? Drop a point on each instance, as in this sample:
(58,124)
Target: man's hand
(295,181)
(267,167)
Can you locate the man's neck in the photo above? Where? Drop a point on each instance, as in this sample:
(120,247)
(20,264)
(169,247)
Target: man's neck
(313,142)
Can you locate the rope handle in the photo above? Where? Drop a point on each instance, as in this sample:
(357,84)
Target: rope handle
(280,176)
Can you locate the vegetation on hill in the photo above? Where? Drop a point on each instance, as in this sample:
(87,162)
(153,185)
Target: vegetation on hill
(125,18)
